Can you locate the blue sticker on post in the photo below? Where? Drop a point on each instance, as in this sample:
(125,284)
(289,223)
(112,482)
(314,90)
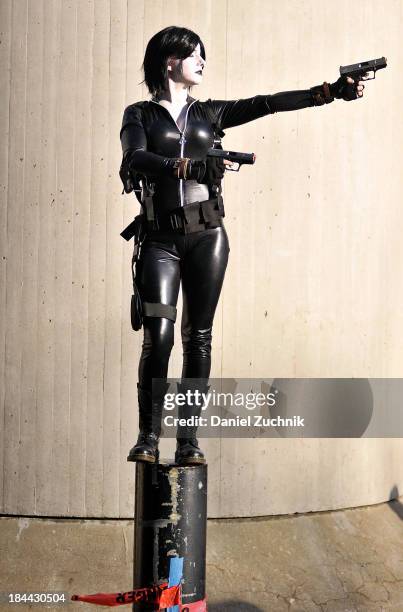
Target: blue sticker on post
(175,577)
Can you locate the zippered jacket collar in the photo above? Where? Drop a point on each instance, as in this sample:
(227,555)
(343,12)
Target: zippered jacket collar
(189,100)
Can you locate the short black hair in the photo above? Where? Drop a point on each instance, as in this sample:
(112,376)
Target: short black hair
(170,42)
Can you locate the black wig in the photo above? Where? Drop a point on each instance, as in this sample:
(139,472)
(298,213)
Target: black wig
(170,42)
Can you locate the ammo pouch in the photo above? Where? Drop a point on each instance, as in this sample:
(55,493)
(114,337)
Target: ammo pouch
(195,217)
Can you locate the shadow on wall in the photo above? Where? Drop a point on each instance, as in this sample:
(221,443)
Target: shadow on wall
(234,606)
(394,504)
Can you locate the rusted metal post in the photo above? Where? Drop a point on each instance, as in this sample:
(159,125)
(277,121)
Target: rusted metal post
(170,520)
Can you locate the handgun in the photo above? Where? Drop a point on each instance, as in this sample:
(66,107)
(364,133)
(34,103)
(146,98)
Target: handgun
(234,157)
(359,71)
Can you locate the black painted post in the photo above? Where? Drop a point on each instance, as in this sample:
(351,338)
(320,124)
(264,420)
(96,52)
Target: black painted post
(171,520)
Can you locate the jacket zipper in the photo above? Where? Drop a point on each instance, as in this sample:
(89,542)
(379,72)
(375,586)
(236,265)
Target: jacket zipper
(182,141)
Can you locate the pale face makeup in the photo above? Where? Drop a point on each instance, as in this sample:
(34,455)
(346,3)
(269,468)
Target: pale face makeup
(188,71)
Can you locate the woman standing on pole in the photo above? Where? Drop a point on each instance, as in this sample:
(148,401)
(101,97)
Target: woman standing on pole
(181,232)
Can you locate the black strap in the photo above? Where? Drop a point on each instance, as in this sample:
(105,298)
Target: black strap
(209,213)
(165,311)
(149,207)
(148,202)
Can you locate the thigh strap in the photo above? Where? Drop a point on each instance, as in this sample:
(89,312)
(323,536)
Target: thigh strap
(165,311)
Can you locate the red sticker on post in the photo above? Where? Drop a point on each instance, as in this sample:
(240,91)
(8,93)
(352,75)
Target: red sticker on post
(197,606)
(152,595)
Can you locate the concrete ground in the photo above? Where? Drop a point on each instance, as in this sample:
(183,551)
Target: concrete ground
(339,561)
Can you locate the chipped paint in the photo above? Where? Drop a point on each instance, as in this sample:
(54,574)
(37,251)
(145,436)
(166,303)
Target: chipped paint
(158,524)
(175,488)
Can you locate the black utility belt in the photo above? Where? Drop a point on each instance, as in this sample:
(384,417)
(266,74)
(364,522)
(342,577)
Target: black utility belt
(194,217)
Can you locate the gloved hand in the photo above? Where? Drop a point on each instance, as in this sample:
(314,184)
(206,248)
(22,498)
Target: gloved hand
(215,169)
(346,88)
(186,168)
(208,172)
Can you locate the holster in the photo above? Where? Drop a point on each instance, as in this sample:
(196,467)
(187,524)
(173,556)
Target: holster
(138,307)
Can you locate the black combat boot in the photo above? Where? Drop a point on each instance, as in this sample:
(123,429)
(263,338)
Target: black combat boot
(150,414)
(187,446)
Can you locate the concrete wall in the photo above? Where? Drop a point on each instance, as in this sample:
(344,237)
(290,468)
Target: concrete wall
(314,284)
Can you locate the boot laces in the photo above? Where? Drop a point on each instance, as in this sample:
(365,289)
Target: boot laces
(147,437)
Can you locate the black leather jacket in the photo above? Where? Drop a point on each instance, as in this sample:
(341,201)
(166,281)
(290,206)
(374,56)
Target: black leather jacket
(150,136)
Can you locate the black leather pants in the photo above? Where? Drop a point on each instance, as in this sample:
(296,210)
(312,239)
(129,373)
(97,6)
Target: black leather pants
(198,261)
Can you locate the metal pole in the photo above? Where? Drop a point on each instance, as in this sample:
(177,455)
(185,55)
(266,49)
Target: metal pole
(170,521)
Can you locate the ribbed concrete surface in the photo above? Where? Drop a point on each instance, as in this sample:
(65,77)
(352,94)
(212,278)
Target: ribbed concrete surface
(329,562)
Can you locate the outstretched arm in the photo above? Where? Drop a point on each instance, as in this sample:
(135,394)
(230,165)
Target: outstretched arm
(230,113)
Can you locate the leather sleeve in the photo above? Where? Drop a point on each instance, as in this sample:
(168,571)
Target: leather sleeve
(230,113)
(132,134)
(134,146)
